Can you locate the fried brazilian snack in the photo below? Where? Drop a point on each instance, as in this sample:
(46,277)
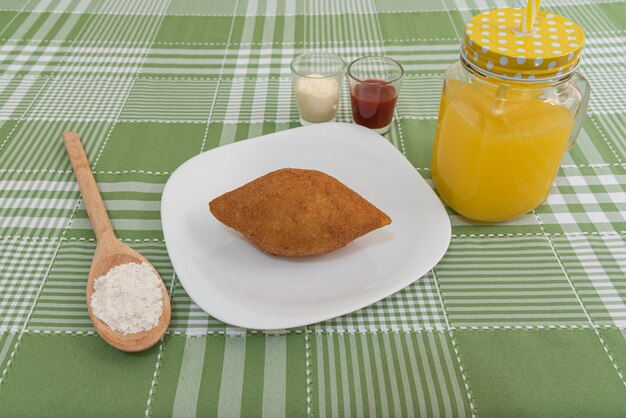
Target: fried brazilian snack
(297,212)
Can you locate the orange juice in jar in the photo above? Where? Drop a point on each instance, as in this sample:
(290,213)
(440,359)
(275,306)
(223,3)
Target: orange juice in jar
(509,111)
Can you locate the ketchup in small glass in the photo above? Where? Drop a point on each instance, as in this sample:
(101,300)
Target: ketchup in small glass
(374,87)
(373,103)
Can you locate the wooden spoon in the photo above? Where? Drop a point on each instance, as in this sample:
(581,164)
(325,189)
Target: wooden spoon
(110,252)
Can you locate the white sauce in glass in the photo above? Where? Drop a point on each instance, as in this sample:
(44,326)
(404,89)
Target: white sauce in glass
(317,98)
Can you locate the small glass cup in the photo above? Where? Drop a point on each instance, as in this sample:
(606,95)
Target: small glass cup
(317,80)
(374,87)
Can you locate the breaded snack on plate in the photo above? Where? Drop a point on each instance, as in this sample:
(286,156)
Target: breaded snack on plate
(296,212)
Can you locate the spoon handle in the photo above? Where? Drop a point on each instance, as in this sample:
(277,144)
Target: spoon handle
(88,187)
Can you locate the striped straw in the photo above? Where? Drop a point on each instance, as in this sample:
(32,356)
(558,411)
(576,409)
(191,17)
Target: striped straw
(532,7)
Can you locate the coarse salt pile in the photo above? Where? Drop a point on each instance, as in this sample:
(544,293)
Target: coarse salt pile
(128,298)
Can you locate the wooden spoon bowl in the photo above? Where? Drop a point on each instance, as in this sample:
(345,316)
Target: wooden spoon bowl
(109,255)
(110,252)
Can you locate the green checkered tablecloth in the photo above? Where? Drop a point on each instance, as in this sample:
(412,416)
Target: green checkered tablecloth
(525,318)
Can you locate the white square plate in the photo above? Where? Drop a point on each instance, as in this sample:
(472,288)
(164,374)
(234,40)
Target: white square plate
(238,284)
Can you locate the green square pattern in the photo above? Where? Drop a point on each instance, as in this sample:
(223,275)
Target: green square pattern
(356,24)
(216,375)
(6,18)
(22,272)
(426,57)
(411,25)
(264,30)
(615,13)
(595,19)
(74,376)
(596,266)
(201,7)
(387,374)
(8,342)
(18,94)
(175,142)
(207,30)
(591,146)
(75,6)
(540,374)
(270,8)
(129,7)
(36,146)
(417,138)
(518,282)
(81,99)
(43,26)
(408,5)
(587,200)
(133,202)
(614,340)
(184,100)
(524,318)
(238,99)
(611,84)
(36,205)
(416,307)
(612,129)
(120,29)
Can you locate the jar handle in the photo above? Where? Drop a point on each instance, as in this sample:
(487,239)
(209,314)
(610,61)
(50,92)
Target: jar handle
(583,87)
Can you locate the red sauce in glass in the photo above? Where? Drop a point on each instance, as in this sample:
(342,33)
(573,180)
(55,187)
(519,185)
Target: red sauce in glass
(373,103)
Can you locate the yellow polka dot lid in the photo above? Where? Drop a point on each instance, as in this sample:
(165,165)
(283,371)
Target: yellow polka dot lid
(505,43)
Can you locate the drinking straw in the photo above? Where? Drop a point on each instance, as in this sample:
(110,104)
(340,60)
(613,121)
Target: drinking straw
(530,14)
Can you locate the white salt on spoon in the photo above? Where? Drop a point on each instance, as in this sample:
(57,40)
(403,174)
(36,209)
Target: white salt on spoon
(128,298)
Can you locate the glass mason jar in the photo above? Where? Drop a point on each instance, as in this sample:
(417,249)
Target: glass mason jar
(502,132)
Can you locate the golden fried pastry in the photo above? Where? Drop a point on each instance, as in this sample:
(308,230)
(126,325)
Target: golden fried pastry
(296,212)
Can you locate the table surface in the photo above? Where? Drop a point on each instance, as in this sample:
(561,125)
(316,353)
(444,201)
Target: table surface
(519,319)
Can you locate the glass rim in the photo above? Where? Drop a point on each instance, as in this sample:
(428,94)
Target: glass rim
(321,53)
(380,57)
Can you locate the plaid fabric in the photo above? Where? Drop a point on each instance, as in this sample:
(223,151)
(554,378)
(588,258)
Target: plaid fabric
(524,318)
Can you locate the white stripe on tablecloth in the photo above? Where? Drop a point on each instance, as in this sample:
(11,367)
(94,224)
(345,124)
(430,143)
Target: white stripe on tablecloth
(231,385)
(380,374)
(319,341)
(332,374)
(275,377)
(356,375)
(452,376)
(345,382)
(392,374)
(368,376)
(406,386)
(188,388)
(447,406)
(430,385)
(5,348)
(125,224)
